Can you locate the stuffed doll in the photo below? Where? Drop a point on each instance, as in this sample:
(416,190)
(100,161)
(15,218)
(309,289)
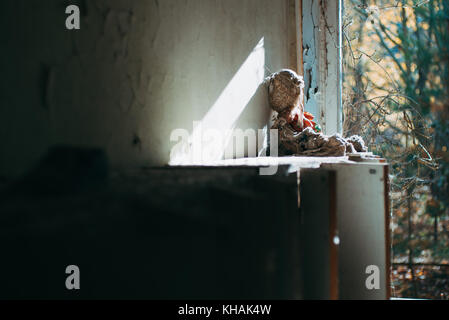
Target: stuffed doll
(298,134)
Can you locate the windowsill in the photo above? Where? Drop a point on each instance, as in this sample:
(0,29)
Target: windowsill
(294,162)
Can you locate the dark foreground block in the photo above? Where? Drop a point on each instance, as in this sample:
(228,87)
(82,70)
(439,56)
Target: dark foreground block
(186,233)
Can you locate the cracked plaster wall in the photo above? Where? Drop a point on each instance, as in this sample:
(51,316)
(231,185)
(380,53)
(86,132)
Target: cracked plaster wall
(134,72)
(322,62)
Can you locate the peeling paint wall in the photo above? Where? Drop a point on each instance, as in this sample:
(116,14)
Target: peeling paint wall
(322,62)
(134,72)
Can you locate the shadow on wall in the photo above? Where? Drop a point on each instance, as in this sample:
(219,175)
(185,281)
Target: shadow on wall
(135,71)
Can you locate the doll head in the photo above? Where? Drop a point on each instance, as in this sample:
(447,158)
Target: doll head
(286,94)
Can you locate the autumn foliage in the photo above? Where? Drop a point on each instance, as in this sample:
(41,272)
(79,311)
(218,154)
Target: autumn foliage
(396,96)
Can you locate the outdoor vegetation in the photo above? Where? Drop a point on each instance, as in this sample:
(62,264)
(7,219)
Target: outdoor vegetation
(396,96)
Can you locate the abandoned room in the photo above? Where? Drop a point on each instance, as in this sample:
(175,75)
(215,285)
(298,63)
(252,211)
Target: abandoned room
(212,149)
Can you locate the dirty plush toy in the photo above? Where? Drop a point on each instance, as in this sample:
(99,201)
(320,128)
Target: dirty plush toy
(286,93)
(298,133)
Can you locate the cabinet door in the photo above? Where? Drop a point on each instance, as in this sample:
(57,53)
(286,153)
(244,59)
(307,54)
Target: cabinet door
(319,229)
(363,224)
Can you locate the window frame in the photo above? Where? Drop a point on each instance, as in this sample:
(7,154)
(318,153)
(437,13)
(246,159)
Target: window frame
(316,48)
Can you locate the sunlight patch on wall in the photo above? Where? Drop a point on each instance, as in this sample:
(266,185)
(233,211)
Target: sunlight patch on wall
(212,134)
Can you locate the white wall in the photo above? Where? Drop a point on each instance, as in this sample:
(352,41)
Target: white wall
(138,68)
